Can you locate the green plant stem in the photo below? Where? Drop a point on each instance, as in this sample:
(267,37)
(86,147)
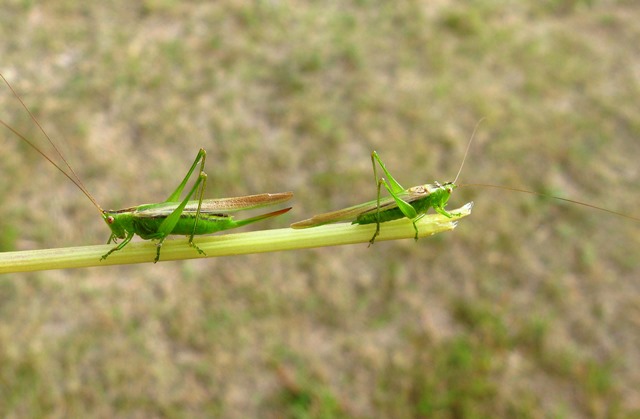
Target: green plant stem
(227,244)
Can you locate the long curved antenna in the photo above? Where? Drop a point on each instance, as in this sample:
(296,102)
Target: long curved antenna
(75,179)
(467,150)
(584,204)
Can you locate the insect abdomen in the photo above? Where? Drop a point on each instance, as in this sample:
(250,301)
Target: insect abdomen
(421,205)
(207,224)
(147,228)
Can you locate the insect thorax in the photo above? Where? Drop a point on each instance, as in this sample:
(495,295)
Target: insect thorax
(429,188)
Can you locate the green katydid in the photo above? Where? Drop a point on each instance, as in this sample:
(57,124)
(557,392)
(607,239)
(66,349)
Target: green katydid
(172,216)
(412,203)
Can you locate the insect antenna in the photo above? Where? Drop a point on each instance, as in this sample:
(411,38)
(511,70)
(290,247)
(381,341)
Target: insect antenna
(75,179)
(584,204)
(508,188)
(466,152)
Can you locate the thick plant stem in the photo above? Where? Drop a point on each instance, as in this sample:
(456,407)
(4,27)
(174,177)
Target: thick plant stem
(227,244)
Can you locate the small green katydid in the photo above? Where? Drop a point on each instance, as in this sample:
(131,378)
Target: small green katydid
(173,216)
(412,203)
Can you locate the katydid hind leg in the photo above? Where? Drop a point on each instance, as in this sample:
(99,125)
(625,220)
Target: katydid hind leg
(395,186)
(378,188)
(175,196)
(200,158)
(404,206)
(415,226)
(158,247)
(203,184)
(169,223)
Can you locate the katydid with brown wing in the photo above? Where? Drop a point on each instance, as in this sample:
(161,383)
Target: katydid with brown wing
(173,216)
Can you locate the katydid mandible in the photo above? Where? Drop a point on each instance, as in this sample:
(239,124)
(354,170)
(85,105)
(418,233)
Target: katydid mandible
(172,216)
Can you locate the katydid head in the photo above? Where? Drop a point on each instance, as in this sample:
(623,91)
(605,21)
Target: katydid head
(115,224)
(442,192)
(449,187)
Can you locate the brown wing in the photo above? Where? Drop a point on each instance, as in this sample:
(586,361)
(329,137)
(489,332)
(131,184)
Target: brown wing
(215,206)
(350,213)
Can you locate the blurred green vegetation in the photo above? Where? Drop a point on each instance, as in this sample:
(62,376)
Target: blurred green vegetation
(528,309)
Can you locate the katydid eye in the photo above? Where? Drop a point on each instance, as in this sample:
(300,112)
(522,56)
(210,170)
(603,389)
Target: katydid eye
(110,220)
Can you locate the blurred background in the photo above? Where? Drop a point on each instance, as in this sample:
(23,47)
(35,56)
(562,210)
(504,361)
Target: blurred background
(530,308)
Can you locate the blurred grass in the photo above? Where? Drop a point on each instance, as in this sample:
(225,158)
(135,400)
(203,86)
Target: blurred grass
(529,309)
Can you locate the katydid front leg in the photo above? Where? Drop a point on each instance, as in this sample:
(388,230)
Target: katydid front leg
(126,241)
(394,188)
